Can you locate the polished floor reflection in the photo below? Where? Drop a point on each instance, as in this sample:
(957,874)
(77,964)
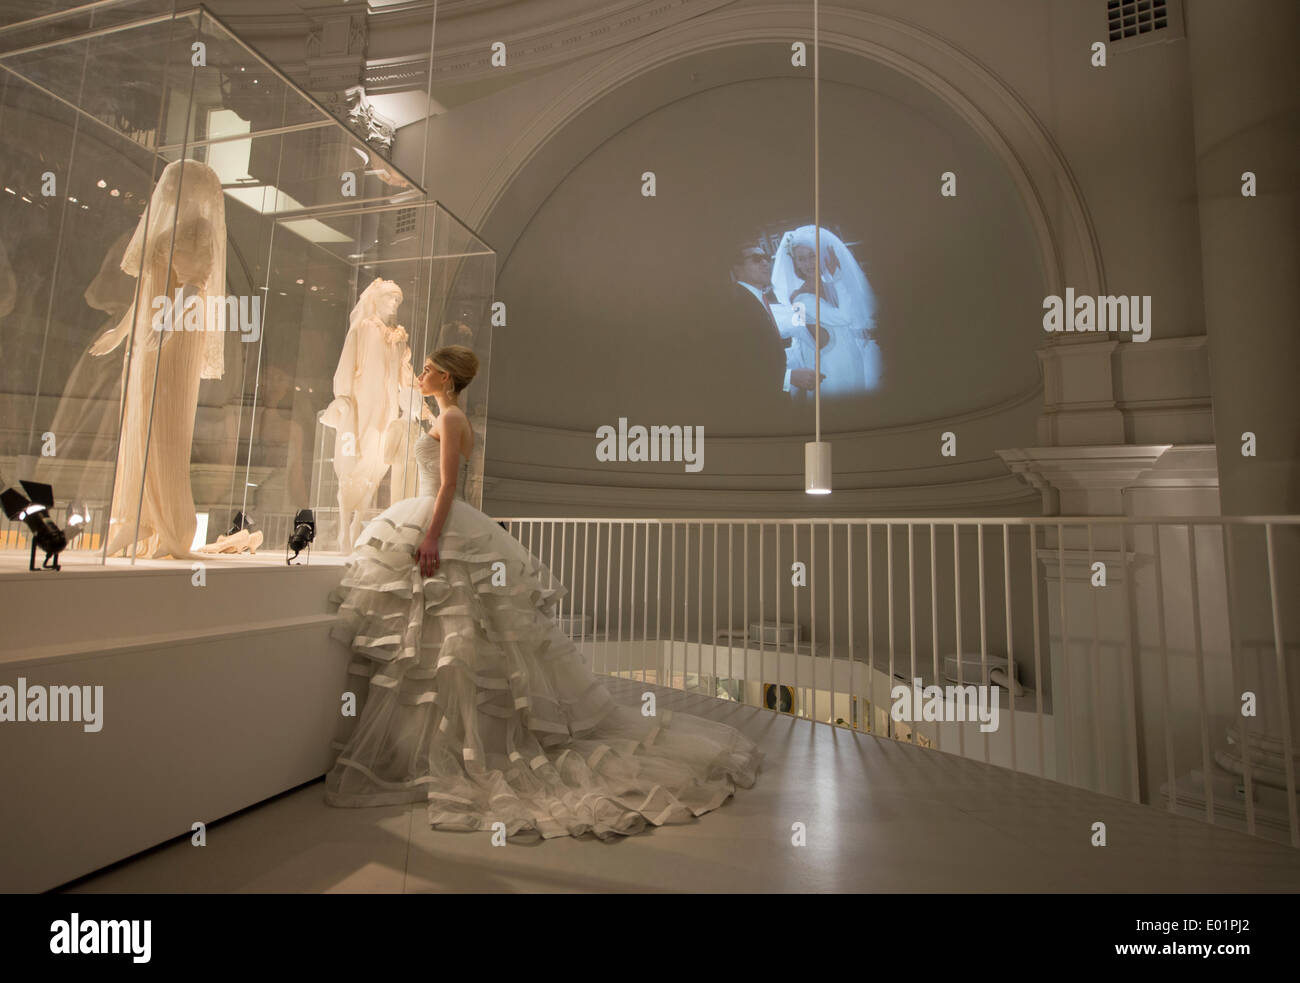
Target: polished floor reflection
(877,816)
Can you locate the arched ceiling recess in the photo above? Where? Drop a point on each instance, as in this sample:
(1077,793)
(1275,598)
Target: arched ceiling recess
(965,108)
(1066,237)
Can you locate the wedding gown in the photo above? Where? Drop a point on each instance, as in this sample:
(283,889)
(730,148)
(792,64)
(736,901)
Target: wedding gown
(178,244)
(841,356)
(373,369)
(477,702)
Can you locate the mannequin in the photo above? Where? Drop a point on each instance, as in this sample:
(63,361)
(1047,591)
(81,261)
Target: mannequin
(179,244)
(373,369)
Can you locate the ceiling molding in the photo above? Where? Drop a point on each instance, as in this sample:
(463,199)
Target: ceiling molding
(997,495)
(533,35)
(947,422)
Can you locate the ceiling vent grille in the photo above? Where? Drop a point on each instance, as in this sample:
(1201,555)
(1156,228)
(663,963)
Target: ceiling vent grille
(1135,23)
(404,224)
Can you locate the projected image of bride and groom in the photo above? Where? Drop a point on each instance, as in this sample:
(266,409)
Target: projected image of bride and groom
(774,277)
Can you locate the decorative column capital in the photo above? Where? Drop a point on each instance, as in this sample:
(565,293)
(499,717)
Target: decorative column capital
(1083,480)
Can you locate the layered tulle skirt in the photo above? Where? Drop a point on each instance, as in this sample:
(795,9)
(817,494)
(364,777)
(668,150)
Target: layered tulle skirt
(471,697)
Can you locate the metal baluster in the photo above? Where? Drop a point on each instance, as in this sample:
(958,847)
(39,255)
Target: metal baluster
(672,613)
(1038,646)
(645,601)
(622,530)
(934,624)
(854,701)
(586,526)
(870,712)
(889,597)
(1065,650)
(794,554)
(1230,576)
(911,618)
(830,563)
(1200,672)
(961,656)
(731,595)
(1164,668)
(1130,679)
(699,607)
(984,649)
(1282,690)
(1011,657)
(1096,673)
(713,596)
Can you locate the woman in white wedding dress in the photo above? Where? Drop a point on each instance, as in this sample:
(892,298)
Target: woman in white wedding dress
(850,357)
(473,698)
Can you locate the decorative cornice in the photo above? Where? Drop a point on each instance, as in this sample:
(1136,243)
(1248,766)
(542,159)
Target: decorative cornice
(946,422)
(464,35)
(1100,468)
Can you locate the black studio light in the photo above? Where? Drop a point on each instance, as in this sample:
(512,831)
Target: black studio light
(304,533)
(34,510)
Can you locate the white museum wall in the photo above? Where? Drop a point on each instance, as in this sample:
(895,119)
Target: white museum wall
(214,698)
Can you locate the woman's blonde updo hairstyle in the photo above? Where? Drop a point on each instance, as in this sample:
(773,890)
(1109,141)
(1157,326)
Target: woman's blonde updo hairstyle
(460,362)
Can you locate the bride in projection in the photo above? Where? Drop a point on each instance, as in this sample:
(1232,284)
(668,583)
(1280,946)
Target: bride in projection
(372,371)
(179,244)
(476,701)
(850,357)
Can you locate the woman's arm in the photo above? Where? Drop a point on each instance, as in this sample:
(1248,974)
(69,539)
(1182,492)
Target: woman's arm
(451,427)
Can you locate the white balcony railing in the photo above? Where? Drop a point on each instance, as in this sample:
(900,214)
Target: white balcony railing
(1151,659)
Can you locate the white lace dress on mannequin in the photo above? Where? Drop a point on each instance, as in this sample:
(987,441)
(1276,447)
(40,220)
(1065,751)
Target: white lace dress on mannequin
(475,701)
(373,370)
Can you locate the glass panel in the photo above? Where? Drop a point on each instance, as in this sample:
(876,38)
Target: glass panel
(75,186)
(445,276)
(185,236)
(27,23)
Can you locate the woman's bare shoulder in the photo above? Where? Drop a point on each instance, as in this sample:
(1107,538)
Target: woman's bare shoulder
(456,418)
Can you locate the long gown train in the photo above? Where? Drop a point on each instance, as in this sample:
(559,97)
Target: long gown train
(471,696)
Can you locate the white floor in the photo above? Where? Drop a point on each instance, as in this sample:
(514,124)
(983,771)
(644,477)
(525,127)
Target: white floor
(880,816)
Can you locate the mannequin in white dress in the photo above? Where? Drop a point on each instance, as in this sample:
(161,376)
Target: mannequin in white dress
(374,367)
(471,697)
(179,243)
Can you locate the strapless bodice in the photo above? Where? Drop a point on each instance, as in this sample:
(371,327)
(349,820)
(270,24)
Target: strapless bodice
(428,452)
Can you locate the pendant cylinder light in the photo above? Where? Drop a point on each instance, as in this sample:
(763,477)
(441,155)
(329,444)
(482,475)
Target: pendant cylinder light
(817,467)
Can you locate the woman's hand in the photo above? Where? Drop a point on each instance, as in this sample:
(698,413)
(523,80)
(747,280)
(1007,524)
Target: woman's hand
(428,557)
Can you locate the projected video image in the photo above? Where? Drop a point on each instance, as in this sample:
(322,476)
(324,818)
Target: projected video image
(773,277)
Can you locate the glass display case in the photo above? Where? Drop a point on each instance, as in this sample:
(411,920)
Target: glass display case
(185,240)
(444,275)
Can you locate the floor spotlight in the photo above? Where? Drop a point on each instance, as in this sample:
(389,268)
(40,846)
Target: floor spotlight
(35,512)
(304,533)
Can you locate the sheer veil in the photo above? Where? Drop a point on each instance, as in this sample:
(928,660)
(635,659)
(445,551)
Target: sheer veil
(853,292)
(188,198)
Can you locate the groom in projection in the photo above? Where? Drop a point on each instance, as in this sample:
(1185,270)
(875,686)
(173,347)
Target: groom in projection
(768,326)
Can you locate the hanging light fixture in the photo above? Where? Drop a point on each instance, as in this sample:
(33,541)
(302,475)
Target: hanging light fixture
(817,452)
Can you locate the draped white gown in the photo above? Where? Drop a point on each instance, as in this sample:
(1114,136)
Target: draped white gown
(472,697)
